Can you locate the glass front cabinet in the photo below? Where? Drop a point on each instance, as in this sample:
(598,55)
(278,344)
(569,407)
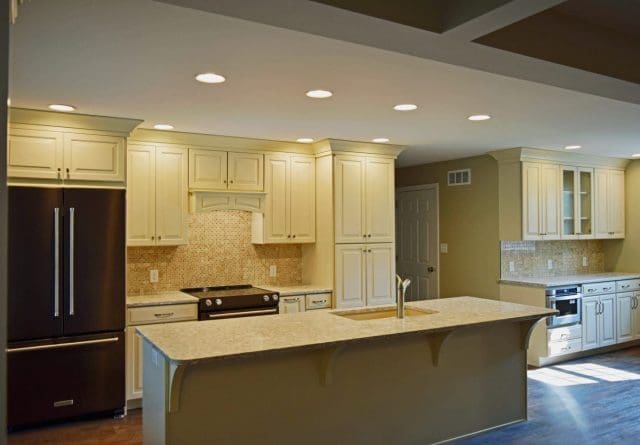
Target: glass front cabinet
(577,202)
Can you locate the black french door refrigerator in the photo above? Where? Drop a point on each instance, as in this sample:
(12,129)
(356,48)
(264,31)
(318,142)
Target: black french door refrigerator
(66,309)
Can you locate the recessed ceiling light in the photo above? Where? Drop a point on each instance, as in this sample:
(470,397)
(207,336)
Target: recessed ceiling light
(380,140)
(572,147)
(405,107)
(636,155)
(210,78)
(61,107)
(479,117)
(304,140)
(163,127)
(319,94)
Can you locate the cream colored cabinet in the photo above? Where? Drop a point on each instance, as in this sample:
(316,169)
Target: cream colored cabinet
(157,195)
(214,170)
(364,199)
(364,275)
(57,156)
(541,201)
(628,316)
(577,203)
(599,321)
(207,169)
(291,304)
(609,203)
(133,362)
(289,215)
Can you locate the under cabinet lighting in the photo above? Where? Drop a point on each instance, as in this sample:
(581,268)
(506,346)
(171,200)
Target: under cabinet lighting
(62,107)
(163,127)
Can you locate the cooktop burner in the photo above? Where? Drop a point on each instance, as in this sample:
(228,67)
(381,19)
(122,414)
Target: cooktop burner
(234,301)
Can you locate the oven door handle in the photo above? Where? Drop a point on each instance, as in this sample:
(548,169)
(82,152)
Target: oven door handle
(242,313)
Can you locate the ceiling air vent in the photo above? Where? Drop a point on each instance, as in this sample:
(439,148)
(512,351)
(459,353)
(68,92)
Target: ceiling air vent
(459,177)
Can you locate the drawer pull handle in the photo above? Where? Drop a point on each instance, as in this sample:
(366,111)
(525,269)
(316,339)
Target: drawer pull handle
(164,315)
(318,301)
(607,288)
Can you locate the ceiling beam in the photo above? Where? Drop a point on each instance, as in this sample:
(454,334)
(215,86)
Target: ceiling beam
(339,24)
(507,14)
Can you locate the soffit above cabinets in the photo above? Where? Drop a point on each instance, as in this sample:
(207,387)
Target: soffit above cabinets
(523,154)
(76,121)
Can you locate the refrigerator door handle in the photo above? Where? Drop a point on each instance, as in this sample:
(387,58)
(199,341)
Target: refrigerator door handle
(63,345)
(56,263)
(72,220)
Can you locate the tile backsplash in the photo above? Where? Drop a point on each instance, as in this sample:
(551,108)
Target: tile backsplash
(531,258)
(219,252)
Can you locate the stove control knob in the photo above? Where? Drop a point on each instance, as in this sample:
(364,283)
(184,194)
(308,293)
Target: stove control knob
(266,298)
(275,297)
(208,302)
(218,302)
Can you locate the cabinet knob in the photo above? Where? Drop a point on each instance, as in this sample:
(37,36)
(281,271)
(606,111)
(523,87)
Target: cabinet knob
(293,236)
(288,236)
(153,237)
(231,182)
(159,237)
(225,181)
(369,235)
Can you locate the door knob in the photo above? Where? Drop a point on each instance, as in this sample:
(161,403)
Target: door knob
(431,269)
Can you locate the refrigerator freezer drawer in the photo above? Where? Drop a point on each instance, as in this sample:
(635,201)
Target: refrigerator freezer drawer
(69,377)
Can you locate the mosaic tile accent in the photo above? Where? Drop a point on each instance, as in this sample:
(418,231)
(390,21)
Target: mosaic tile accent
(530,258)
(219,252)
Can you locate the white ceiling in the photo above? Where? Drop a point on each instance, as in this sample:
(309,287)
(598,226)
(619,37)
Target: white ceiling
(137,58)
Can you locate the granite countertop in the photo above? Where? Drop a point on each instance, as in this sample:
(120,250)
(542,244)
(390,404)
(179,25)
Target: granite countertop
(570,279)
(301,289)
(235,337)
(161,298)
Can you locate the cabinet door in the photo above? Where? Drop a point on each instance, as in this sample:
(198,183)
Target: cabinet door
(89,157)
(349,199)
(134,364)
(625,304)
(171,196)
(607,320)
(380,276)
(615,199)
(350,275)
(207,169)
(569,208)
(379,200)
(303,199)
(34,154)
(292,304)
(141,195)
(635,316)
(585,201)
(590,308)
(245,171)
(550,201)
(531,200)
(277,210)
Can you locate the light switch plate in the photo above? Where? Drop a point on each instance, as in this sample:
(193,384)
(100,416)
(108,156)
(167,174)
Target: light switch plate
(273,270)
(512,266)
(585,261)
(549,264)
(153,275)
(444,248)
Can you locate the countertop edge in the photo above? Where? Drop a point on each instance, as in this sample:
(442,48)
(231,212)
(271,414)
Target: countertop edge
(569,280)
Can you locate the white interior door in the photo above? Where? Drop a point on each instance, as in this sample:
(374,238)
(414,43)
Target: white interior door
(417,241)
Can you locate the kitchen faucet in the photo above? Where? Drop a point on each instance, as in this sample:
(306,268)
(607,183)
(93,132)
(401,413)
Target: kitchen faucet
(402,289)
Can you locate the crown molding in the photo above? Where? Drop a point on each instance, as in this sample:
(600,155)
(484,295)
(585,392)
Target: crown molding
(72,120)
(326,146)
(523,154)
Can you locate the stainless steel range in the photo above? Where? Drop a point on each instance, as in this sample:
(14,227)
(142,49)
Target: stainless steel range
(242,300)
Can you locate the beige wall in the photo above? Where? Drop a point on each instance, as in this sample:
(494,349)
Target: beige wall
(468,224)
(219,252)
(624,255)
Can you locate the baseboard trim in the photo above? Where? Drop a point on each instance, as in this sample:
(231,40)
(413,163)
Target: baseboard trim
(546,361)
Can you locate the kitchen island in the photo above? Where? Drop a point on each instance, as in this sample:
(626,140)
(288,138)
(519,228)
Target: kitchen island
(451,368)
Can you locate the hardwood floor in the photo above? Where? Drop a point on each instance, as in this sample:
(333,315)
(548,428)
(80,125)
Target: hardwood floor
(595,400)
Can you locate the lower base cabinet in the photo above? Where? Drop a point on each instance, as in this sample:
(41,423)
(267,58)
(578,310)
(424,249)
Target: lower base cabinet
(628,316)
(291,304)
(134,364)
(599,321)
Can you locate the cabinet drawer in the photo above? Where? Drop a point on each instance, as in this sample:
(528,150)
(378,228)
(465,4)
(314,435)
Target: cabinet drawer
(318,301)
(599,288)
(565,347)
(628,285)
(564,333)
(162,314)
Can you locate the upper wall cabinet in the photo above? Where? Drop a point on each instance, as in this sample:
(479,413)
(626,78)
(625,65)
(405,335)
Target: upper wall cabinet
(609,203)
(156,195)
(214,170)
(64,156)
(546,195)
(289,214)
(364,199)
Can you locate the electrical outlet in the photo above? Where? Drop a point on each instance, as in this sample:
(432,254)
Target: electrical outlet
(585,261)
(273,270)
(444,248)
(512,266)
(153,275)
(549,264)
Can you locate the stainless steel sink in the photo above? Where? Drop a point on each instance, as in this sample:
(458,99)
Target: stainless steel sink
(375,314)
